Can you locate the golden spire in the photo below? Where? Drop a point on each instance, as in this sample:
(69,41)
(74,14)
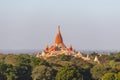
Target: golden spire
(59,38)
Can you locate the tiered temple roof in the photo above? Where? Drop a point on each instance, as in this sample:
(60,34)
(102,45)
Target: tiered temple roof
(60,48)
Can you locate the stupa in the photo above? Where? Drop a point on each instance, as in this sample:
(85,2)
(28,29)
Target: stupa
(96,59)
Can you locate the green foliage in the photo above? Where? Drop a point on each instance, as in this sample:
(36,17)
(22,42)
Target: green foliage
(36,62)
(105,58)
(118,55)
(11,59)
(98,71)
(24,72)
(2,58)
(118,67)
(11,73)
(64,57)
(7,72)
(2,71)
(118,76)
(23,59)
(109,76)
(43,73)
(61,67)
(94,54)
(69,73)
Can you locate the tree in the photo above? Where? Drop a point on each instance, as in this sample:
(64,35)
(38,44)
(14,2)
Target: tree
(109,76)
(118,55)
(7,72)
(2,71)
(118,76)
(23,59)
(36,62)
(94,54)
(69,73)
(98,71)
(64,57)
(43,73)
(86,73)
(11,59)
(118,67)
(11,72)
(24,72)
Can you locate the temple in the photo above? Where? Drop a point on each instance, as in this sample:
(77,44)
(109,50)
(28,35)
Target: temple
(58,48)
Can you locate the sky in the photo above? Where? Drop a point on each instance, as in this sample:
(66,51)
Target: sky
(86,24)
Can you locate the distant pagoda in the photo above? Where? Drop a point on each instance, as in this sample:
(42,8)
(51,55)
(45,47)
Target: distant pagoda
(59,48)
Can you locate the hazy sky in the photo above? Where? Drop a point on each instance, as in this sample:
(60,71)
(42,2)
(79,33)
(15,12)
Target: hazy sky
(86,24)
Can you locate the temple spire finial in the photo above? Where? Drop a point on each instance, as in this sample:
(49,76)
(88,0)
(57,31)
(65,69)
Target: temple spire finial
(71,48)
(47,48)
(58,28)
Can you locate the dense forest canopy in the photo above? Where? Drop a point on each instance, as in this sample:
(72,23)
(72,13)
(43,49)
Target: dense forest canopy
(61,67)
